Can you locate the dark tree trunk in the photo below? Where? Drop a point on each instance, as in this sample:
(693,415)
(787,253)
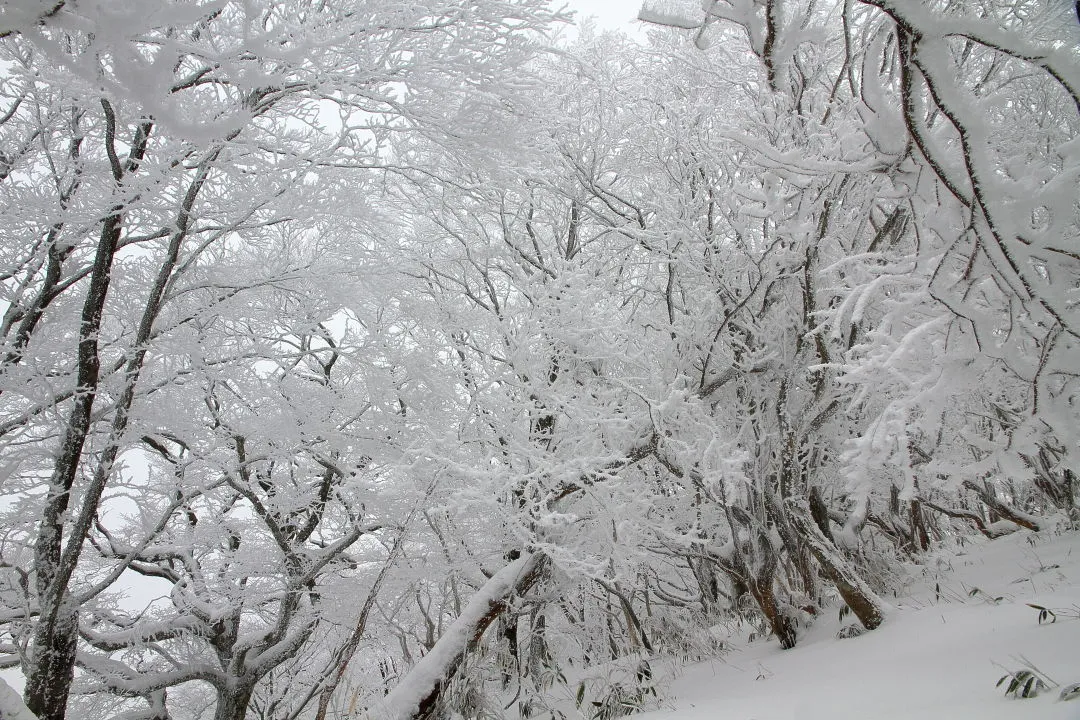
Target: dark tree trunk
(49,678)
(856,593)
(1001,508)
(795,547)
(918,525)
(49,683)
(820,512)
(973,517)
(510,634)
(233,705)
(759,581)
(779,622)
(539,654)
(707,584)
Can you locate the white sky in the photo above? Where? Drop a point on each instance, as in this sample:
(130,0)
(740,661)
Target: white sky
(613,14)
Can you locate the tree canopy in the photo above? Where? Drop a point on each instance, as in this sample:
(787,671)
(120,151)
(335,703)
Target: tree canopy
(404,360)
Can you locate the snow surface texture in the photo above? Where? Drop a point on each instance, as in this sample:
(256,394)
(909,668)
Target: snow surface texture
(937,657)
(11,704)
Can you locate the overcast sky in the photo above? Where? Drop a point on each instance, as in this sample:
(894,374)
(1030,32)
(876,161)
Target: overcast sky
(610,13)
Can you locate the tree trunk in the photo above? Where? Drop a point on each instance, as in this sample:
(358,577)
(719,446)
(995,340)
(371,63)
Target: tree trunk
(1000,507)
(863,601)
(510,634)
(796,551)
(50,674)
(707,584)
(758,583)
(820,512)
(918,525)
(348,649)
(233,705)
(972,517)
(539,654)
(53,665)
(779,622)
(417,694)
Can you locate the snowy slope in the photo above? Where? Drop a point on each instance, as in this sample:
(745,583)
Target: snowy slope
(936,657)
(11,704)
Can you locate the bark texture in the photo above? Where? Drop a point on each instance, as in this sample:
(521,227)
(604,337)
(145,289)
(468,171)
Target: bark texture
(863,601)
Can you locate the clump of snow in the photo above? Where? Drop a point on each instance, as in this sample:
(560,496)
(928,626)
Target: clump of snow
(963,623)
(11,704)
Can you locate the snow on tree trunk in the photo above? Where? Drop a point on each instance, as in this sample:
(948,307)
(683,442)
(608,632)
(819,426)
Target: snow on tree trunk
(417,693)
(991,531)
(1002,508)
(54,648)
(863,601)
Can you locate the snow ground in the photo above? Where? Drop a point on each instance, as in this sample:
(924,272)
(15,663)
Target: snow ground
(937,657)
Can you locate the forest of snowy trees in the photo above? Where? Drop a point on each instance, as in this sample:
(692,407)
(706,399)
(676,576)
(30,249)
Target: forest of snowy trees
(395,360)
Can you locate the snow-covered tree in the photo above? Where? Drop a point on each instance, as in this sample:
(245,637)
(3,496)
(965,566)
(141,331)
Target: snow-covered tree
(421,374)
(883,157)
(147,146)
